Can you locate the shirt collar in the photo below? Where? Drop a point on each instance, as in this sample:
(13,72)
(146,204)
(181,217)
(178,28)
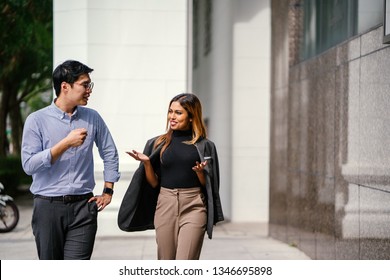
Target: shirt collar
(59,113)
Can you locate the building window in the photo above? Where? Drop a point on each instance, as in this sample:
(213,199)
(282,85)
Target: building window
(386,22)
(202,29)
(207,27)
(195,34)
(327,23)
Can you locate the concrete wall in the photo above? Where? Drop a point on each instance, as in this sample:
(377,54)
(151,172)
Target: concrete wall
(233,81)
(141,58)
(138,50)
(329,182)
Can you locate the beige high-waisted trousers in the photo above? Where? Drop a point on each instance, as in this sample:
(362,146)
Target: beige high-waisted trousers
(180,222)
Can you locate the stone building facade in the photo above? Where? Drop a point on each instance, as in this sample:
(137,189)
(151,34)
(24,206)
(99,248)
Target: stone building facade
(329,157)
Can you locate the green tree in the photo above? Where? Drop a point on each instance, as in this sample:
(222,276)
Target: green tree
(26,62)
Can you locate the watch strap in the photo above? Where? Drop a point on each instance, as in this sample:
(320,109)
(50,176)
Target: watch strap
(108,191)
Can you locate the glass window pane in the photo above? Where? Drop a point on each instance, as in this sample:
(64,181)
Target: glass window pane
(370,14)
(327,23)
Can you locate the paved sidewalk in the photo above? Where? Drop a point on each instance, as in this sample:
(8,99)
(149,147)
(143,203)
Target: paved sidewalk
(231,241)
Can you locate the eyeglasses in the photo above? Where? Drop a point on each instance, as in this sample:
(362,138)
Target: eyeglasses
(87,86)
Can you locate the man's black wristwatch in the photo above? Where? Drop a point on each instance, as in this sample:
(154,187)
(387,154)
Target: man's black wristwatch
(108,191)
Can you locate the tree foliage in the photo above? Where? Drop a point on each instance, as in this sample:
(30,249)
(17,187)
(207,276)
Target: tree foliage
(26,62)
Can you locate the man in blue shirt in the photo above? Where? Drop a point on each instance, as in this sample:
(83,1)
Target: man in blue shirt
(57,151)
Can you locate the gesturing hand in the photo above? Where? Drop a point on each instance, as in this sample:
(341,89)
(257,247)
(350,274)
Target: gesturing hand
(138,156)
(199,166)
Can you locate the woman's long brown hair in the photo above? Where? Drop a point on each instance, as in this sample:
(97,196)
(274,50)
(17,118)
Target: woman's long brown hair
(192,105)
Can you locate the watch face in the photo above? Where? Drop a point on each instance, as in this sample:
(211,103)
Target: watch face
(108,191)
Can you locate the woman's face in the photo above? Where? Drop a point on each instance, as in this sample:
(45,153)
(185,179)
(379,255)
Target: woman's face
(178,117)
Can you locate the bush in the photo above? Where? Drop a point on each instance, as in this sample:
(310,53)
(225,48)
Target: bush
(12,174)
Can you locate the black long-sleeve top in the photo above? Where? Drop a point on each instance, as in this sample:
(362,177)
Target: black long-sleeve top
(177,162)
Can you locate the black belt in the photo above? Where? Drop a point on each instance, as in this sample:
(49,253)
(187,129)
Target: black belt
(65,198)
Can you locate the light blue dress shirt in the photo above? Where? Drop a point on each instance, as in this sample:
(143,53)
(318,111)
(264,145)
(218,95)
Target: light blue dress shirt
(73,172)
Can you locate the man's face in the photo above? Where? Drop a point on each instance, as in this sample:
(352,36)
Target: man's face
(79,92)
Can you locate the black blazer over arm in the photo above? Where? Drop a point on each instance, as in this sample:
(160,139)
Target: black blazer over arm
(136,212)
(207,151)
(138,205)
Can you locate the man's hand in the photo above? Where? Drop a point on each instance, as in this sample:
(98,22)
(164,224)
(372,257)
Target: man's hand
(76,137)
(101,200)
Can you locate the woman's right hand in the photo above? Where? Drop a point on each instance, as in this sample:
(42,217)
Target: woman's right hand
(138,156)
(151,177)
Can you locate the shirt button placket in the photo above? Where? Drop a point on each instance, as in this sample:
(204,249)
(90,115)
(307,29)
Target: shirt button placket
(73,157)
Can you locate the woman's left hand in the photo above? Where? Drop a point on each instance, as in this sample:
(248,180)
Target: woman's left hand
(199,166)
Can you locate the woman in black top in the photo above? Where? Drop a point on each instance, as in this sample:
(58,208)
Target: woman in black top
(187,174)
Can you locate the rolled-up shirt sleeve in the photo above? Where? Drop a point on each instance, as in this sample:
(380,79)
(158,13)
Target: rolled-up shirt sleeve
(108,152)
(111,176)
(34,157)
